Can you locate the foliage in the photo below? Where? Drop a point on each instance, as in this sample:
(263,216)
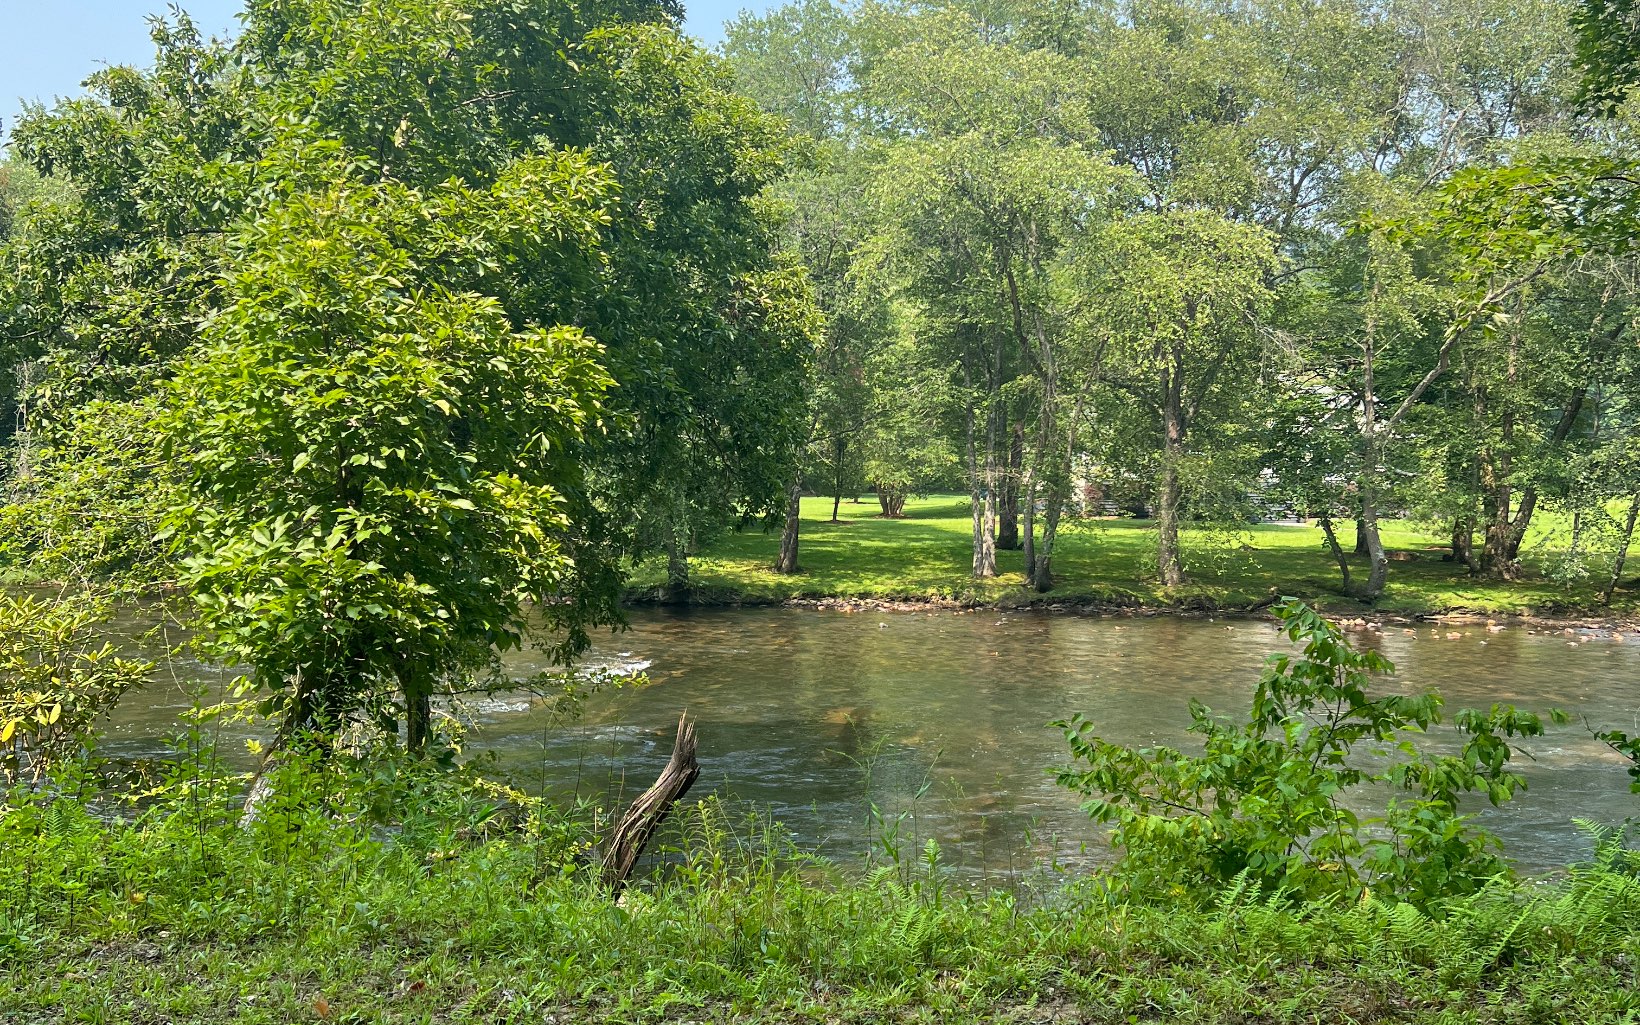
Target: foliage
(401,315)
(1608,51)
(1275,798)
(471,904)
(87,497)
(793,61)
(1403,214)
(58,679)
(906,451)
(1613,851)
(1505,223)
(22,188)
(376,462)
(1178,295)
(1628,747)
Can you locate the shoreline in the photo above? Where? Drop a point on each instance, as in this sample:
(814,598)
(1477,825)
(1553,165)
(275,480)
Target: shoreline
(1336,607)
(1191,607)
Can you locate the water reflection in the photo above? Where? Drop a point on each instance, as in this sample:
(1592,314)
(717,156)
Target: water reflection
(815,715)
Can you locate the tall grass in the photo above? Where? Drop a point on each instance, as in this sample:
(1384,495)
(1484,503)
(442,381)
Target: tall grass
(472,903)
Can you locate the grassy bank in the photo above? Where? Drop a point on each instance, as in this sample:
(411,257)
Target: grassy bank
(926,556)
(312,917)
(376,887)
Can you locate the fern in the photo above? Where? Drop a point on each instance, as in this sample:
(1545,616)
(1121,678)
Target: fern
(916,929)
(1610,845)
(1496,951)
(1411,930)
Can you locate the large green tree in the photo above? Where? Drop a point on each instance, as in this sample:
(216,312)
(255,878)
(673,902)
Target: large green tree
(1181,295)
(380,470)
(988,169)
(406,128)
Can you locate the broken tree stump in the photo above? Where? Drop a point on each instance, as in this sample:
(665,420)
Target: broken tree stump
(641,820)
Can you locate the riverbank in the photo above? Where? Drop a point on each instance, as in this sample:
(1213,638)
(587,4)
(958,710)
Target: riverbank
(923,560)
(454,919)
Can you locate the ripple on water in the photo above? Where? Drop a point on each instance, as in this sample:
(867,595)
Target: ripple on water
(818,715)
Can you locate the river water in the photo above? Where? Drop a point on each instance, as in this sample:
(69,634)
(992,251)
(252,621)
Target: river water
(939,719)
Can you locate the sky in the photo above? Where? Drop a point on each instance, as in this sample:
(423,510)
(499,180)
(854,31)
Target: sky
(48,47)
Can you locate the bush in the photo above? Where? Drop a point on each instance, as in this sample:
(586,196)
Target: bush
(58,677)
(1274,798)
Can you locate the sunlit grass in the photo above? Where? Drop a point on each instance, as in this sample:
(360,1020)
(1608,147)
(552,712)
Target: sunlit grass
(927,555)
(183,916)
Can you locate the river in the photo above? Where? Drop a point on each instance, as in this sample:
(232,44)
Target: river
(939,718)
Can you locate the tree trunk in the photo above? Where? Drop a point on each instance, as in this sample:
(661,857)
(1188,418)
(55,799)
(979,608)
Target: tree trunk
(1622,552)
(1338,550)
(419,722)
(1496,499)
(982,501)
(1504,530)
(1042,566)
(1169,559)
(639,823)
(1027,537)
(1515,535)
(1376,561)
(1367,531)
(787,562)
(677,571)
(985,556)
(891,501)
(1012,487)
(299,718)
(418,711)
(839,453)
(1463,541)
(1360,536)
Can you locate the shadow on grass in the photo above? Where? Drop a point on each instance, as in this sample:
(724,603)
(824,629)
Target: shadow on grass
(928,553)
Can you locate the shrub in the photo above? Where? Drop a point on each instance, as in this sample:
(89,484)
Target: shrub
(58,677)
(1274,798)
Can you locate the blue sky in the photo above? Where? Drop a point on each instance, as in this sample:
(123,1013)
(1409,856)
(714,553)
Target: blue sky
(47,47)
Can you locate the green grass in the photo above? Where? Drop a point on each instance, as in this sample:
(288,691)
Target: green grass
(927,555)
(314,916)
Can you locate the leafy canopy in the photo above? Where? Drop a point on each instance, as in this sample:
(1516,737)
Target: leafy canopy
(376,460)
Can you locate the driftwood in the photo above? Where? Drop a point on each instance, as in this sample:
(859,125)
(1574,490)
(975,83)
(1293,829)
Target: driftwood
(639,823)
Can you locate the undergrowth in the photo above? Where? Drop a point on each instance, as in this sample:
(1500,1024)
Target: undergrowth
(472,903)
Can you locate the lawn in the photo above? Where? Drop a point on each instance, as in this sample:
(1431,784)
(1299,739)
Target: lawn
(927,554)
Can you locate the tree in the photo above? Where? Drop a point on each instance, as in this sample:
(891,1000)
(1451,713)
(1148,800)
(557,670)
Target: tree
(381,470)
(376,123)
(989,169)
(793,60)
(1181,295)
(906,441)
(824,234)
